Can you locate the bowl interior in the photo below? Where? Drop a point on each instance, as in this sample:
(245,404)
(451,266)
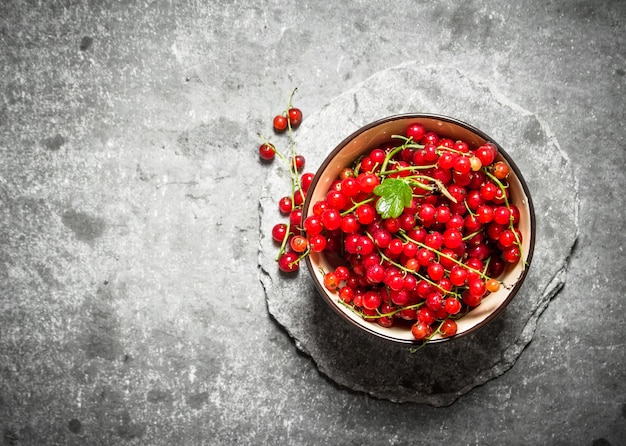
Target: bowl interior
(378,133)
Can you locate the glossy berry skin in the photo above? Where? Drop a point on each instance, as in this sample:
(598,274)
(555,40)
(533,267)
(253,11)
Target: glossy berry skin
(342,272)
(299,161)
(279,231)
(415,131)
(448,328)
(285,205)
(492,285)
(317,243)
(295,218)
(371,300)
(331,281)
(452,305)
(267,152)
(295,116)
(280,123)
(331,219)
(365,214)
(298,243)
(305,181)
(312,225)
(500,170)
(367,182)
(421,331)
(288,262)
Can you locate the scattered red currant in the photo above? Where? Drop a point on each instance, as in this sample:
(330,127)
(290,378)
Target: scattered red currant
(267,151)
(295,116)
(288,262)
(280,123)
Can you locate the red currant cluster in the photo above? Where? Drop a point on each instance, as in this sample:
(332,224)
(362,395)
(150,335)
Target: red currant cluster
(293,245)
(421,227)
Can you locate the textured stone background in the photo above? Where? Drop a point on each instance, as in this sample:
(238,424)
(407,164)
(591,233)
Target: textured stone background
(131,310)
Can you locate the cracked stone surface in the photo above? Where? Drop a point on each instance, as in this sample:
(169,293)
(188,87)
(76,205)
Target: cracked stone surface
(131,309)
(438,374)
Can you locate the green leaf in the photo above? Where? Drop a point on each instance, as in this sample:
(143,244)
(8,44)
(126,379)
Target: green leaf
(395,194)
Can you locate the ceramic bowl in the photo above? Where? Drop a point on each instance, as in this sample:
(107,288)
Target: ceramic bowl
(378,133)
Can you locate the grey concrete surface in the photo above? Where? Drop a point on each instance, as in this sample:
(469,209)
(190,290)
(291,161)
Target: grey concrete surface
(131,310)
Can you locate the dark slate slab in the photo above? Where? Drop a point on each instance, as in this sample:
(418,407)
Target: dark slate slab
(437,374)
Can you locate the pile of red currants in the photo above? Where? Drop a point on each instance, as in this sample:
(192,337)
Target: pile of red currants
(421,228)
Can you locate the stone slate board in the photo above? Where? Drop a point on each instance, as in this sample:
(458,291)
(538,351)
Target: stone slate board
(437,374)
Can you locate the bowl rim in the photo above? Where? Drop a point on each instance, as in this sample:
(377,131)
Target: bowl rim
(501,151)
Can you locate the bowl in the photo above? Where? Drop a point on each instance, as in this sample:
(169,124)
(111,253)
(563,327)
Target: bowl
(377,134)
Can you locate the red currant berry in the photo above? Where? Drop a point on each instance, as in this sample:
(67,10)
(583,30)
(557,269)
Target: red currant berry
(502,215)
(377,156)
(435,271)
(415,131)
(427,212)
(317,243)
(434,301)
(349,224)
(485,154)
(295,218)
(365,214)
(267,152)
(331,281)
(430,138)
(280,123)
(471,300)
(434,240)
(331,219)
(512,254)
(462,165)
(346,294)
(396,247)
(285,205)
(295,116)
(452,305)
(446,160)
(298,162)
(367,182)
(426,315)
(375,273)
(298,198)
(312,225)
(476,287)
(507,238)
(279,232)
(342,272)
(365,245)
(500,170)
(350,187)
(452,238)
(288,262)
(484,214)
(448,328)
(337,199)
(306,180)
(488,191)
(371,300)
(382,238)
(298,243)
(421,331)
(458,275)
